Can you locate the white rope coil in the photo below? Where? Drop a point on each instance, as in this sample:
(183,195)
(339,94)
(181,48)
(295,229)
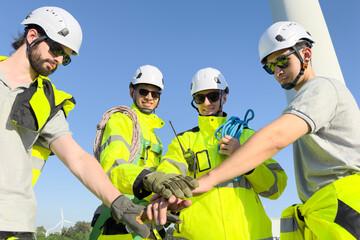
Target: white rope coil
(136,133)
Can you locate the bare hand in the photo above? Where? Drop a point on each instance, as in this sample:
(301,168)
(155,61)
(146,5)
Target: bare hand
(228,145)
(158,207)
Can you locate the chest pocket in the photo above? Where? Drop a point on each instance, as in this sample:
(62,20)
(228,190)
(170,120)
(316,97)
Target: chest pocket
(203,160)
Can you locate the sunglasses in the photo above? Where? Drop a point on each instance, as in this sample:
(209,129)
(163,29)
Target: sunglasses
(281,61)
(145,92)
(57,50)
(212,97)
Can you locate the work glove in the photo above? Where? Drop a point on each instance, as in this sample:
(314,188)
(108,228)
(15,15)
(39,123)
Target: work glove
(170,184)
(133,215)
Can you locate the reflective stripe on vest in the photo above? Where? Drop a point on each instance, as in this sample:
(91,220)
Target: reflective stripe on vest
(181,166)
(113,138)
(144,146)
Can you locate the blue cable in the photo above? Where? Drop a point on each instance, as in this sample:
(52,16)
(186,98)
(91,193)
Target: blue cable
(234,128)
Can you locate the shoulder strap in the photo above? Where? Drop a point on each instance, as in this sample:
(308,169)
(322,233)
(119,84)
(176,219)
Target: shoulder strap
(157,148)
(136,158)
(136,134)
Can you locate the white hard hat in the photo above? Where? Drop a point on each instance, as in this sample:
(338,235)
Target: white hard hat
(281,35)
(208,78)
(59,25)
(148,74)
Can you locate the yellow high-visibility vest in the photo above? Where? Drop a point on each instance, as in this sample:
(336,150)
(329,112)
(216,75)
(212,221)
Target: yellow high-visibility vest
(332,213)
(46,101)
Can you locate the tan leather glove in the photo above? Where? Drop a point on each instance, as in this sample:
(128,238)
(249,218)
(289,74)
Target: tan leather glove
(170,184)
(133,215)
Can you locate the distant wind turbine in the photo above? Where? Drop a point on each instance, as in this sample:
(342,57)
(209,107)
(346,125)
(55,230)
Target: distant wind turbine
(62,221)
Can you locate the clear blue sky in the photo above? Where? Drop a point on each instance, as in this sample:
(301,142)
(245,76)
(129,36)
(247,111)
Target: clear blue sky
(179,37)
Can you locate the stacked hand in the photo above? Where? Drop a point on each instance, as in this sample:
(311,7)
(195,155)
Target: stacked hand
(159,205)
(170,189)
(170,184)
(125,211)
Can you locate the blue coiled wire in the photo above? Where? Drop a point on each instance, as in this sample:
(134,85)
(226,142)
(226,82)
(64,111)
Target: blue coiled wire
(234,128)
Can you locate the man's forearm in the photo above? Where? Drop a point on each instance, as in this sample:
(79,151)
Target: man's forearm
(86,168)
(261,146)
(244,159)
(91,174)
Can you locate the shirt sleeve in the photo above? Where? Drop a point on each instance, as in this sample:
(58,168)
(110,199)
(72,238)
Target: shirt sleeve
(55,128)
(315,102)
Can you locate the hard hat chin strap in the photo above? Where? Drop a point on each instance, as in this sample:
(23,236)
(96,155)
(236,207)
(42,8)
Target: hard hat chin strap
(217,114)
(146,111)
(193,105)
(304,65)
(33,43)
(289,86)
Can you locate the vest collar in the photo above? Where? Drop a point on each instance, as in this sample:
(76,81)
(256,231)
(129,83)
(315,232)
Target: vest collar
(211,123)
(152,121)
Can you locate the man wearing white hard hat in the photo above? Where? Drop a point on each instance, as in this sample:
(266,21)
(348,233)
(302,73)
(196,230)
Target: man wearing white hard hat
(233,209)
(323,123)
(32,121)
(129,151)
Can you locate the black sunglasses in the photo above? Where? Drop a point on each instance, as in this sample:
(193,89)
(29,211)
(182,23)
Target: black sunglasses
(281,61)
(57,50)
(212,97)
(145,92)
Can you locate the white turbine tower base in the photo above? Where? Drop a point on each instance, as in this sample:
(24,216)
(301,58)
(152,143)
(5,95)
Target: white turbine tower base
(62,221)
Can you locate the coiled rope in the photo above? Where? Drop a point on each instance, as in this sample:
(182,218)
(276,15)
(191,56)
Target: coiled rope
(234,128)
(136,133)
